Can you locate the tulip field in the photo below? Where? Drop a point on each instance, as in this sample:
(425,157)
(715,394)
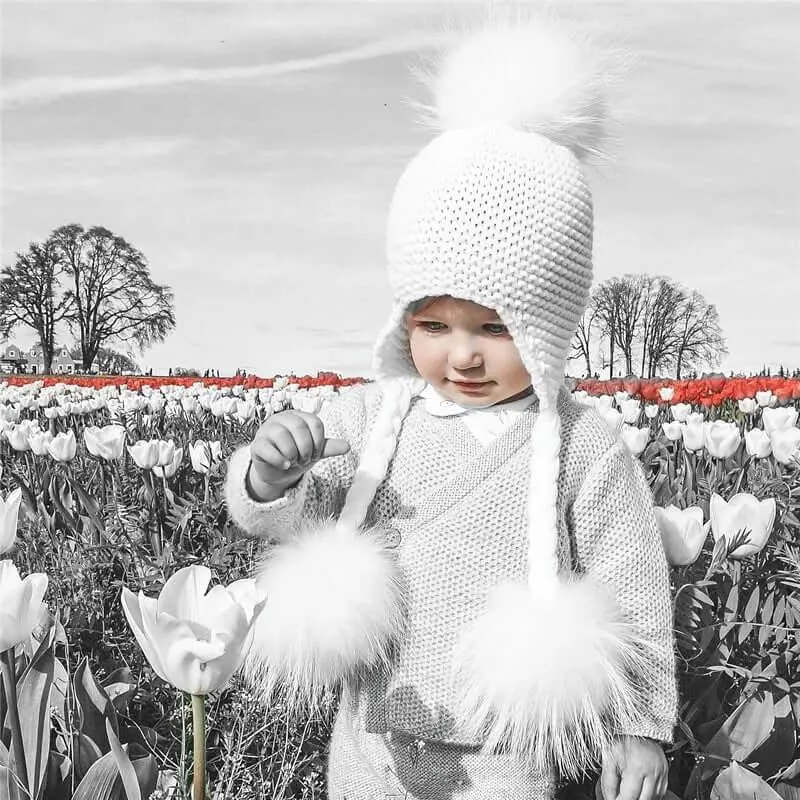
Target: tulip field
(126,597)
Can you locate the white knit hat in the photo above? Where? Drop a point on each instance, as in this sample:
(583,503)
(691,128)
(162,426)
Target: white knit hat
(495,210)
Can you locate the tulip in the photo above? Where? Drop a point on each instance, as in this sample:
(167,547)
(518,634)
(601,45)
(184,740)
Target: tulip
(63,446)
(168,470)
(245,410)
(721,439)
(666,393)
(51,412)
(630,411)
(20,604)
(612,417)
(764,399)
(680,411)
(779,419)
(757,443)
(786,446)
(651,411)
(145,454)
(672,430)
(204,455)
(682,533)
(9,513)
(621,397)
(18,438)
(107,442)
(635,439)
(742,512)
(748,405)
(156,402)
(693,436)
(40,442)
(695,418)
(193,640)
(189,403)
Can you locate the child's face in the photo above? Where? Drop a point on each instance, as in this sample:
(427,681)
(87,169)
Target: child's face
(457,340)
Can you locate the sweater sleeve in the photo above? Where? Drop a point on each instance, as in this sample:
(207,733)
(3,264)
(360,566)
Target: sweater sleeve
(617,541)
(320,492)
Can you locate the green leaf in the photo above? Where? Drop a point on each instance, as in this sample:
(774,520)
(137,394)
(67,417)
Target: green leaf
(33,702)
(787,791)
(58,777)
(747,728)
(737,783)
(129,780)
(95,706)
(100,781)
(751,609)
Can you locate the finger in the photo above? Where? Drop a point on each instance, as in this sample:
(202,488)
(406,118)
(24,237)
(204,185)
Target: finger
(661,787)
(284,440)
(300,424)
(630,787)
(265,451)
(335,447)
(648,790)
(609,780)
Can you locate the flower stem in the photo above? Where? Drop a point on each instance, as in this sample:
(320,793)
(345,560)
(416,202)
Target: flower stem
(199,750)
(7,659)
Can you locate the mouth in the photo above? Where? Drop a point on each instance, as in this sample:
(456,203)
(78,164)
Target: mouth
(471,385)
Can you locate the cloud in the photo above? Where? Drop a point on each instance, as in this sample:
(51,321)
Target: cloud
(55,87)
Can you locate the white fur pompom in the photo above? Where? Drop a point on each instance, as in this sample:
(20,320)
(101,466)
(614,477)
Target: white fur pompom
(551,676)
(334,605)
(532,76)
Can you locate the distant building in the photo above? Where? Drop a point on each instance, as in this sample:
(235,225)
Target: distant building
(14,359)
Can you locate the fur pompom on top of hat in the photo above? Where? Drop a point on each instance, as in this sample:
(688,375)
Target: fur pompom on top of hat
(550,676)
(334,605)
(530,75)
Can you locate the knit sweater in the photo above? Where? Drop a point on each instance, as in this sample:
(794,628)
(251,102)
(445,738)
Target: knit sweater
(456,511)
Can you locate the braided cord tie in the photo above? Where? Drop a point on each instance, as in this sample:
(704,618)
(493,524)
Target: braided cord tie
(374,462)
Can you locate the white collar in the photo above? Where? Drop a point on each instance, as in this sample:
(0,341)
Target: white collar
(439,406)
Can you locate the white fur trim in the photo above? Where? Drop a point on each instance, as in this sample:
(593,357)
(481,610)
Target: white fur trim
(334,605)
(551,676)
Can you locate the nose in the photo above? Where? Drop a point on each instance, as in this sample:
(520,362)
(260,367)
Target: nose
(465,353)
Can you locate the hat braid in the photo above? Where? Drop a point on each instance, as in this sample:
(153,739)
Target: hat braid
(379,450)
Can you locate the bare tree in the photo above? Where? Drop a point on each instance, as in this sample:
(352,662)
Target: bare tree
(581,342)
(110,361)
(631,291)
(699,335)
(114,297)
(607,300)
(30,296)
(658,333)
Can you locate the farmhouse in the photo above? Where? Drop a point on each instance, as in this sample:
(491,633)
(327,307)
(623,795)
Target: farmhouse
(16,360)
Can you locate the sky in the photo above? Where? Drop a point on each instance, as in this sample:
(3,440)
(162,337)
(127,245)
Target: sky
(250,151)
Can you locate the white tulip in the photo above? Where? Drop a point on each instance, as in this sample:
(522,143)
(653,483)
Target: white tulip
(764,399)
(672,430)
(145,454)
(721,439)
(693,436)
(635,439)
(168,470)
(63,446)
(155,402)
(107,442)
(9,515)
(613,419)
(666,393)
(680,411)
(651,411)
(757,443)
(743,512)
(786,446)
(630,411)
(18,438)
(779,419)
(748,405)
(40,442)
(682,533)
(193,640)
(620,398)
(204,455)
(20,604)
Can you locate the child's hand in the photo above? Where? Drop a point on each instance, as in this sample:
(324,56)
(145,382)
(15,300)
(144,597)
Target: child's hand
(636,769)
(287,445)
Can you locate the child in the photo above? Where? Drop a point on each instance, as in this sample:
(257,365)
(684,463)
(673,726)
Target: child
(463,548)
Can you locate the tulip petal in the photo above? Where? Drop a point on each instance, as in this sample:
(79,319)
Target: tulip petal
(182,593)
(132,605)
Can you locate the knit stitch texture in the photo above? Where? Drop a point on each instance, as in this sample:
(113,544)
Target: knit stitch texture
(457,512)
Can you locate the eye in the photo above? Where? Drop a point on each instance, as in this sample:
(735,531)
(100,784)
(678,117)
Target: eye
(431,326)
(496,328)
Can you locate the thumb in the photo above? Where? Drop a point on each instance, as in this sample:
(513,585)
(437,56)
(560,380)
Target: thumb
(609,780)
(335,447)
